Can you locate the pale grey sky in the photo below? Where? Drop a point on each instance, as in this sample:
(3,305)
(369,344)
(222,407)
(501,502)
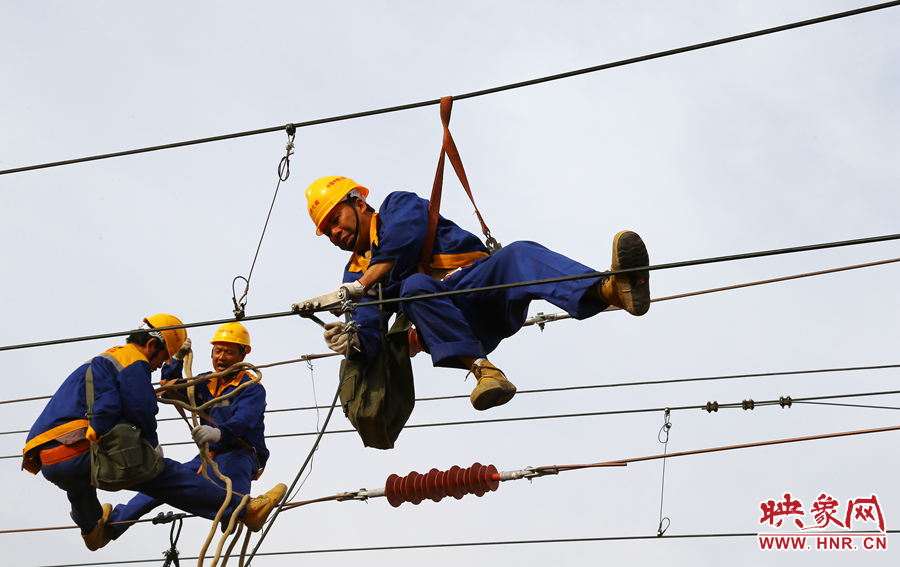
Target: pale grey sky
(780,141)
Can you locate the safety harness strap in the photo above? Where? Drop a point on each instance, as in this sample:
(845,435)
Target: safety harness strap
(448,148)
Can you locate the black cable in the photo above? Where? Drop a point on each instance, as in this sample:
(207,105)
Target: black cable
(845,405)
(620,63)
(374,303)
(558,389)
(809,400)
(466,544)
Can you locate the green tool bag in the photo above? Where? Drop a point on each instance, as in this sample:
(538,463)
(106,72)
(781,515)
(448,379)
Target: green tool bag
(123,457)
(379,398)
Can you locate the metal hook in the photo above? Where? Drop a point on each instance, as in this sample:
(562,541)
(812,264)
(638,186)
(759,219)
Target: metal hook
(239,304)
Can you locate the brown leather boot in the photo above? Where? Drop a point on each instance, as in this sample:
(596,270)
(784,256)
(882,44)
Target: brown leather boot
(630,291)
(101,534)
(493,388)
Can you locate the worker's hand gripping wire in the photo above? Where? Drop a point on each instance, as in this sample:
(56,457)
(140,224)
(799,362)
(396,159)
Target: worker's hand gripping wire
(338,338)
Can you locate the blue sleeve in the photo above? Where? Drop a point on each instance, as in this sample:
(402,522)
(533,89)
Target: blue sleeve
(172,370)
(139,405)
(247,407)
(402,227)
(107,405)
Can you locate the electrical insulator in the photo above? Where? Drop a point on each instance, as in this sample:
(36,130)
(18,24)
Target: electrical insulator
(435,485)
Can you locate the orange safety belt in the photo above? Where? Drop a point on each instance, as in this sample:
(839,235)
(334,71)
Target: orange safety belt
(448,148)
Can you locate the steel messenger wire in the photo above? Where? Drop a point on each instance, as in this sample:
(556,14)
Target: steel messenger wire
(558,389)
(392,301)
(535,391)
(603,464)
(783,401)
(542,319)
(474,94)
(459,545)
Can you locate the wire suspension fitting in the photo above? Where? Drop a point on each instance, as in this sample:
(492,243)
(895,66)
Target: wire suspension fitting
(284,171)
(663,437)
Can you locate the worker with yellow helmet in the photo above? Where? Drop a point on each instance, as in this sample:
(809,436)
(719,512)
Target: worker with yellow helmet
(459,330)
(235,431)
(59,443)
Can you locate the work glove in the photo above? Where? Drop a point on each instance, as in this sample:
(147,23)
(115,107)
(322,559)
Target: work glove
(206,434)
(336,338)
(159,451)
(183,351)
(355,290)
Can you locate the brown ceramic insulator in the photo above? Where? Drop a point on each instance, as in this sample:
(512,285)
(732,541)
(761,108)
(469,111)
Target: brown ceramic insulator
(435,485)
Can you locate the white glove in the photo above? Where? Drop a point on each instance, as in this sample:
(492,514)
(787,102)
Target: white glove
(159,451)
(336,338)
(206,434)
(183,351)
(355,290)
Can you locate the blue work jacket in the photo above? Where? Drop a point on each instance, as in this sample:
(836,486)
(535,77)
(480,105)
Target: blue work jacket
(240,417)
(123,392)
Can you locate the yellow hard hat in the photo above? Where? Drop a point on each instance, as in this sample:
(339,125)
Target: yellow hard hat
(325,193)
(232,333)
(173,338)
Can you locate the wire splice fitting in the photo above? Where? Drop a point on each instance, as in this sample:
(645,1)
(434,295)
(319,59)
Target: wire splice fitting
(711,407)
(167,517)
(784,401)
(435,485)
(748,404)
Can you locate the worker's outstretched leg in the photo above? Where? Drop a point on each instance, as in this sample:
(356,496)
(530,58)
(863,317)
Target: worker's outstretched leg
(74,476)
(238,465)
(630,291)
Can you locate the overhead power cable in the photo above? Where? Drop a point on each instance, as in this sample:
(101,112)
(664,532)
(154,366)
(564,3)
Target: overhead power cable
(535,391)
(404,489)
(542,319)
(392,301)
(457,545)
(474,94)
(552,390)
(709,407)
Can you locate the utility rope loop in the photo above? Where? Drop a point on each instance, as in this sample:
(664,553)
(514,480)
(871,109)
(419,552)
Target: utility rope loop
(208,461)
(191,382)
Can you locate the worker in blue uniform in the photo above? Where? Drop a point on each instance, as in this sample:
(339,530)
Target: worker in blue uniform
(235,431)
(459,330)
(59,442)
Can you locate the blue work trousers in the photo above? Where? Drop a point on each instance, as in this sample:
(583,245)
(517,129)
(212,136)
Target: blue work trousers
(176,485)
(472,325)
(238,465)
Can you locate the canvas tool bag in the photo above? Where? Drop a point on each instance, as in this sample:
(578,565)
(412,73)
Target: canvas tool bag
(123,457)
(378,398)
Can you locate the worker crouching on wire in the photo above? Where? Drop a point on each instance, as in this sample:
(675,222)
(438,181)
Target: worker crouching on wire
(99,427)
(459,331)
(233,427)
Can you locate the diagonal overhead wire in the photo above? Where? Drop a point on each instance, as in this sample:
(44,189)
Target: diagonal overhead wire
(393,301)
(511,86)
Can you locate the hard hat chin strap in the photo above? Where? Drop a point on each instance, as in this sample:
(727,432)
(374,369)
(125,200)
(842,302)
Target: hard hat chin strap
(352,245)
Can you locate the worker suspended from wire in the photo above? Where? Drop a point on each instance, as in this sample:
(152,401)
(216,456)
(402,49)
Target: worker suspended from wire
(236,432)
(112,389)
(459,331)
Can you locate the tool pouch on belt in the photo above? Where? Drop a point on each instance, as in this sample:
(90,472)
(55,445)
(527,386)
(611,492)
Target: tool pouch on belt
(123,457)
(378,398)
